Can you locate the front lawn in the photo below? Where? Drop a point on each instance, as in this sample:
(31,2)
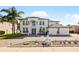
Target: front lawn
(10,36)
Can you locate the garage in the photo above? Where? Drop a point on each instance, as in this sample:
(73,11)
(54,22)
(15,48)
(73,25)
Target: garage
(64,31)
(53,31)
(58,31)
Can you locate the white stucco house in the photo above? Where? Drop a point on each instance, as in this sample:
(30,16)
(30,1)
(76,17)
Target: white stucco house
(37,25)
(33,25)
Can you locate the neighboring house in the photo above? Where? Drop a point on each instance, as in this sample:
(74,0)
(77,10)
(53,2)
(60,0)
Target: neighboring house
(74,28)
(77,29)
(33,25)
(37,25)
(7,27)
(57,29)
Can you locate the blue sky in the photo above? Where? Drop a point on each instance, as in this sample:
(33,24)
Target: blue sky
(64,14)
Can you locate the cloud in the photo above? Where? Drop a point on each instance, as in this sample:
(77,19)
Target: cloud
(40,14)
(54,18)
(74,17)
(67,15)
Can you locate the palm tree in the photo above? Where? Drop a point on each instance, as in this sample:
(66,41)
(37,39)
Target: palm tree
(12,16)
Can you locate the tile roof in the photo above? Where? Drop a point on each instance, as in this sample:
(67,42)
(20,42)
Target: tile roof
(57,25)
(33,17)
(53,21)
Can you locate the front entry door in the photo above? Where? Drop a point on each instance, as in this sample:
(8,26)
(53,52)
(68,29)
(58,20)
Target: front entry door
(33,30)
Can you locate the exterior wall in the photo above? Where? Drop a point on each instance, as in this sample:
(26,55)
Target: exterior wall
(64,31)
(74,28)
(24,26)
(7,27)
(30,26)
(77,29)
(58,31)
(45,25)
(37,26)
(53,31)
(53,23)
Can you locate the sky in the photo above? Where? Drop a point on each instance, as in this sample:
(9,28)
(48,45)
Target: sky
(65,14)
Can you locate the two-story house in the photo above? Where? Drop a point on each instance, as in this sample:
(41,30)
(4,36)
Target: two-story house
(33,25)
(37,25)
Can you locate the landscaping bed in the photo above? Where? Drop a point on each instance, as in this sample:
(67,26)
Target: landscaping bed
(53,44)
(9,36)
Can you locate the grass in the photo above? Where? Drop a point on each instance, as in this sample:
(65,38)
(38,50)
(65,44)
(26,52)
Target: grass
(9,36)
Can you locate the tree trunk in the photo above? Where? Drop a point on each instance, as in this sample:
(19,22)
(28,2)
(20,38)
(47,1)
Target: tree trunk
(13,28)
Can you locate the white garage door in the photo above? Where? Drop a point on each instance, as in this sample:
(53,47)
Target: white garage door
(52,31)
(64,31)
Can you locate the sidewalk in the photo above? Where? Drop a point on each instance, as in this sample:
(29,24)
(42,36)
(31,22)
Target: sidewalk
(40,49)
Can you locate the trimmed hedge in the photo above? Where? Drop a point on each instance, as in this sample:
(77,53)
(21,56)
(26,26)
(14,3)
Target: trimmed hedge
(10,36)
(2,32)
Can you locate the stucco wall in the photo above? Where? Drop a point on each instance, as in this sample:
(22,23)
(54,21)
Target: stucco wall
(37,26)
(7,27)
(64,31)
(53,31)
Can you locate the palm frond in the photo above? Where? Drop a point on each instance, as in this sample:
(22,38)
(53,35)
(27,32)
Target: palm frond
(20,12)
(5,10)
(12,14)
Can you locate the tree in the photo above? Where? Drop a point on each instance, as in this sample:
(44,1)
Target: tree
(12,16)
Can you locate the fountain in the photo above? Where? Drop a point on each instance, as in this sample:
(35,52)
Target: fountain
(46,40)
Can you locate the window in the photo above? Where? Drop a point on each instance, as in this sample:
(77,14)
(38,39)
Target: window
(33,23)
(23,22)
(27,22)
(25,30)
(42,23)
(58,31)
(42,29)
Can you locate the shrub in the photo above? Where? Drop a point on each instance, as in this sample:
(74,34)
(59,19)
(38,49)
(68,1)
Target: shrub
(71,31)
(2,32)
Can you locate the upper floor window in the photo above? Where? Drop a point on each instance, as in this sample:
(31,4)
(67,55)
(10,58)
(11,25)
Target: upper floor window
(23,22)
(42,23)
(33,23)
(27,22)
